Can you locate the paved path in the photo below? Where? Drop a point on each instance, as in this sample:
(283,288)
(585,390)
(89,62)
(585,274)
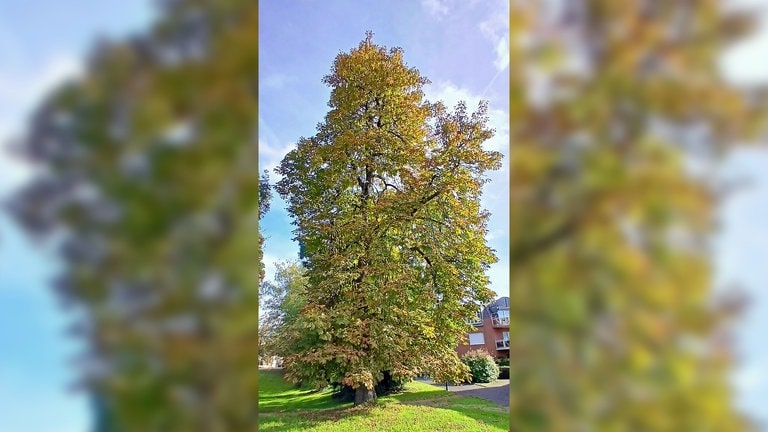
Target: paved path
(497,392)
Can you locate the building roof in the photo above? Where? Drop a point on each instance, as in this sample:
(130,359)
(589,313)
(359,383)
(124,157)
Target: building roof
(491,308)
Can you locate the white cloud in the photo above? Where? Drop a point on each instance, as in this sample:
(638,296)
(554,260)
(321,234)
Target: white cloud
(13,173)
(19,92)
(496,29)
(745,62)
(277,81)
(21,89)
(436,8)
(502,53)
(750,378)
(270,266)
(496,234)
(270,156)
(498,119)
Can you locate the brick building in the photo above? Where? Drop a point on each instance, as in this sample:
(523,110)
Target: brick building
(491,330)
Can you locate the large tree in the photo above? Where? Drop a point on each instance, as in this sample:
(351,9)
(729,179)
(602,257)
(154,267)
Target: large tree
(151,186)
(386,203)
(619,112)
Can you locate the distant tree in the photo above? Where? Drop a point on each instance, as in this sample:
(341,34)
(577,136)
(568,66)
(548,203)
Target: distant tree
(265,196)
(613,105)
(386,203)
(151,186)
(280,304)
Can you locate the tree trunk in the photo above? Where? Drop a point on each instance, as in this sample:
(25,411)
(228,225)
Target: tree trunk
(364,395)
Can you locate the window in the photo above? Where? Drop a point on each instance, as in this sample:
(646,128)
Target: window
(476,339)
(501,318)
(505,336)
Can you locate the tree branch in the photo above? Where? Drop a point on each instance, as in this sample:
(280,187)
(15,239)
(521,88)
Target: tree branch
(525,251)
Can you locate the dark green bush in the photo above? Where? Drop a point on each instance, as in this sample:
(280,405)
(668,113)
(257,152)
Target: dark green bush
(502,361)
(481,365)
(503,372)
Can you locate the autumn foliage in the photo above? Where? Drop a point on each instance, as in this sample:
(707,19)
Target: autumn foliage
(385,200)
(619,117)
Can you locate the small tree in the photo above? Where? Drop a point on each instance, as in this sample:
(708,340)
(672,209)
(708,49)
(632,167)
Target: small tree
(280,302)
(482,366)
(385,199)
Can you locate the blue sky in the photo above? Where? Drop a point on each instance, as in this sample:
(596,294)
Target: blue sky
(455,43)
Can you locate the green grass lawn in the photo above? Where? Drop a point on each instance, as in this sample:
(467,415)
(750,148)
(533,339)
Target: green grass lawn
(422,407)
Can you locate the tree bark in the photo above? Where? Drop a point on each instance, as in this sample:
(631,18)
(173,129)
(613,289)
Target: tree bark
(364,395)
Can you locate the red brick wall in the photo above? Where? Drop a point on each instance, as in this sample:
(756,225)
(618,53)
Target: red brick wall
(490,334)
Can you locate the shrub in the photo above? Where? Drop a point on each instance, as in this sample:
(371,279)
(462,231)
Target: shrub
(504,361)
(503,372)
(481,365)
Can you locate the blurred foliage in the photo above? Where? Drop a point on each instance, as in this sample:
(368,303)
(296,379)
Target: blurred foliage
(386,203)
(150,184)
(618,114)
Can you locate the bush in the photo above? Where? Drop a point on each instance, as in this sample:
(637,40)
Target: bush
(504,361)
(503,372)
(481,365)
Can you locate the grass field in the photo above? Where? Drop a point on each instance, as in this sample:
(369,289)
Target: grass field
(422,407)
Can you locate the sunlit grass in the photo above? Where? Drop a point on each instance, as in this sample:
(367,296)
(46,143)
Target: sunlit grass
(421,407)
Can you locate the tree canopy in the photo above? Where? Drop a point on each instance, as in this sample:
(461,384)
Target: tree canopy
(385,200)
(151,188)
(615,109)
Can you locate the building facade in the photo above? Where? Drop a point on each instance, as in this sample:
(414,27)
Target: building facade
(491,330)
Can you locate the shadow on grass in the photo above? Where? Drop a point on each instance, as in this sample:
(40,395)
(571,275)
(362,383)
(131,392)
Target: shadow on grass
(419,409)
(292,421)
(444,413)
(277,395)
(407,396)
(299,400)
